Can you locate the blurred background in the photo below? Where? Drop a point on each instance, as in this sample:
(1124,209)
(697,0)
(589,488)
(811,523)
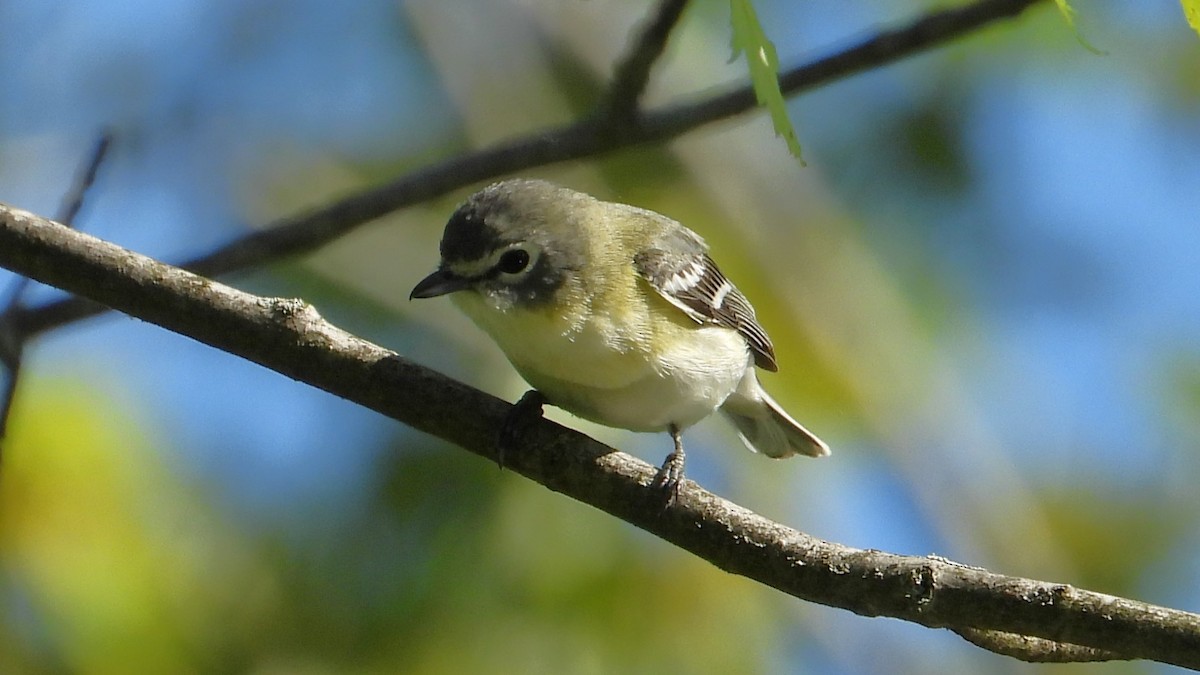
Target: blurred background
(984,292)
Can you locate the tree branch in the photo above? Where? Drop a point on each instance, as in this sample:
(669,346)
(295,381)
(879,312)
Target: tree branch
(589,137)
(12,342)
(289,336)
(632,74)
(1032,649)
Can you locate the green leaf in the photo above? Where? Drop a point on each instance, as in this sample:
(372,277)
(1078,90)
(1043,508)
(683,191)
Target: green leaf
(1068,14)
(763,63)
(1191,10)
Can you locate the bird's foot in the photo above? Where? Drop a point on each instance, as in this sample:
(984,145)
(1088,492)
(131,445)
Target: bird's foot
(669,478)
(524,413)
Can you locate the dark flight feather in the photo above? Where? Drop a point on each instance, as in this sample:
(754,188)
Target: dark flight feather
(684,274)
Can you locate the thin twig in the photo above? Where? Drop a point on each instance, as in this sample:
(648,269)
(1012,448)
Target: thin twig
(12,342)
(71,204)
(632,73)
(10,360)
(586,138)
(290,337)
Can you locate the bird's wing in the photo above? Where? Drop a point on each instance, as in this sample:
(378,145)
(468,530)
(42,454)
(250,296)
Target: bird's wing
(680,269)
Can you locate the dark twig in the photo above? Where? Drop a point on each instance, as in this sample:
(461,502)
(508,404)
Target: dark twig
(291,338)
(12,342)
(10,359)
(633,71)
(586,138)
(73,202)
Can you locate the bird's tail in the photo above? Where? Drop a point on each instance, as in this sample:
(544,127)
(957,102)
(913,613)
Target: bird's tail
(764,427)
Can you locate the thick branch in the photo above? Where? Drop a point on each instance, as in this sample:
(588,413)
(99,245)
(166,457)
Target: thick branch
(290,337)
(586,138)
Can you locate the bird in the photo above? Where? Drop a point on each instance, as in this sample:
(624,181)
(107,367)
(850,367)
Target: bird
(614,313)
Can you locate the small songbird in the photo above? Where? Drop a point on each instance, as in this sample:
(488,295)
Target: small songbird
(613,313)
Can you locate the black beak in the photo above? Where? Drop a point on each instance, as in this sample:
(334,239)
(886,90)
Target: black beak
(440,282)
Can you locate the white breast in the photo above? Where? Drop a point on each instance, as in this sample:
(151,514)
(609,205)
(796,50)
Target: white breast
(602,368)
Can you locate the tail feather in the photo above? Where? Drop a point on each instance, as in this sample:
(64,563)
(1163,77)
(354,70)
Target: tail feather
(764,427)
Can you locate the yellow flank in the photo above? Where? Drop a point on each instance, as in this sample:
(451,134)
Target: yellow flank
(599,341)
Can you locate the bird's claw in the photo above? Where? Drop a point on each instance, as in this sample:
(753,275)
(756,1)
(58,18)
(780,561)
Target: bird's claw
(524,412)
(669,478)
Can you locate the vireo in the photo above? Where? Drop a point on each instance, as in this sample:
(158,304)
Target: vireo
(613,313)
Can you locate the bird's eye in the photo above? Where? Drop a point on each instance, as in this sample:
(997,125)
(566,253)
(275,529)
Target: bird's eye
(513,261)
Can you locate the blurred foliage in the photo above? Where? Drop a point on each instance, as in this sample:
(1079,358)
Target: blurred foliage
(762,61)
(893,275)
(121,566)
(1068,15)
(117,564)
(1191,12)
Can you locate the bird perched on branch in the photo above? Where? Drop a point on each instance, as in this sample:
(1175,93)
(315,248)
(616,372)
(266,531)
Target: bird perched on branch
(613,313)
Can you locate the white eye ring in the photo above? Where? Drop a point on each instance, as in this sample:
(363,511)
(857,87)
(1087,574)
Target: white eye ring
(516,261)
(513,261)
